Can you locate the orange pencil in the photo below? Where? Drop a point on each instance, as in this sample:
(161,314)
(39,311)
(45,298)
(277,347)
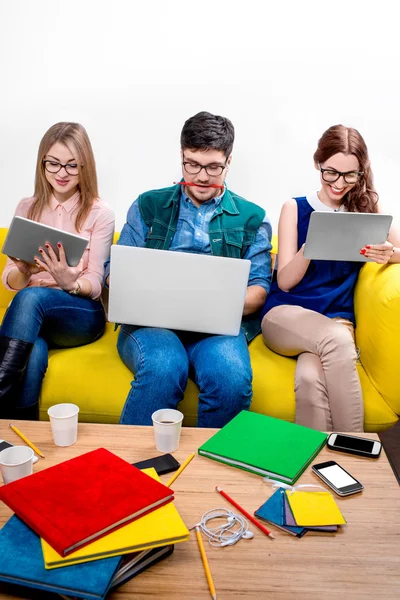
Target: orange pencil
(244,512)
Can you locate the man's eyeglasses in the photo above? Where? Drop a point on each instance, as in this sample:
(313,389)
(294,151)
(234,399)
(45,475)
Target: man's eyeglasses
(211,170)
(331,175)
(53,166)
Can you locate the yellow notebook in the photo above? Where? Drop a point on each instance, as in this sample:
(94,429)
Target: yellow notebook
(314,509)
(161,527)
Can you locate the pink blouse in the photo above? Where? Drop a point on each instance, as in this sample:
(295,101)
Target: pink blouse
(98,229)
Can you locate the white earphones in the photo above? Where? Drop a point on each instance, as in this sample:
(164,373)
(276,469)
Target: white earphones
(229,542)
(248,535)
(228,533)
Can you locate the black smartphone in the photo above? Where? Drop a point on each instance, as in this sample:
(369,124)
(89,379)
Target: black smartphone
(341,482)
(354,445)
(4,445)
(162,464)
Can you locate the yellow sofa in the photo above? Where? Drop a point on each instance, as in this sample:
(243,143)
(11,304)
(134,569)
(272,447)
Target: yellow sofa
(95,378)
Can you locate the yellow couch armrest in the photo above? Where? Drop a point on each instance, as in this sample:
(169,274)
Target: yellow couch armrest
(274,243)
(377,310)
(5,295)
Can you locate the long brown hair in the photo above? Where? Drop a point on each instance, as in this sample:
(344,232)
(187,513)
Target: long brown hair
(74,136)
(338,138)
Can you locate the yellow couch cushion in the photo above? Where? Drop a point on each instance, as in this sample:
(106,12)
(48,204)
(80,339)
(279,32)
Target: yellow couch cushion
(5,295)
(95,378)
(98,380)
(377,306)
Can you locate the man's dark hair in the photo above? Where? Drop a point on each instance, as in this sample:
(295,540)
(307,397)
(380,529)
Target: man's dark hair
(205,131)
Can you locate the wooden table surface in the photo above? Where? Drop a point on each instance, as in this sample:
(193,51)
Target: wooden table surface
(361,561)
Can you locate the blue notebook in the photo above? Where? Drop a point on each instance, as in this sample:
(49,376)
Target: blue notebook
(134,564)
(273,511)
(21,563)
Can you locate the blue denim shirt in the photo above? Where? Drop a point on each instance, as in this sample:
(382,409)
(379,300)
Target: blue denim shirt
(192,236)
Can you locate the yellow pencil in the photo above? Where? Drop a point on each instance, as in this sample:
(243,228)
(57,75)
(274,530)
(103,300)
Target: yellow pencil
(21,435)
(206,565)
(179,471)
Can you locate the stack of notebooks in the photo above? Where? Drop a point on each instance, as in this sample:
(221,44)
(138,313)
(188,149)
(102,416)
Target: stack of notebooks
(265,446)
(86,526)
(298,512)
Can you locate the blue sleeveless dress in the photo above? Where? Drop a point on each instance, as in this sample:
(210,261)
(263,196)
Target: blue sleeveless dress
(327,286)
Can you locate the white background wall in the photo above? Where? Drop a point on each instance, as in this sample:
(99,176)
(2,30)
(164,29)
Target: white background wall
(133,71)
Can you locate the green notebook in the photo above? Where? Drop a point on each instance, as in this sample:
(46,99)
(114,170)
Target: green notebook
(265,446)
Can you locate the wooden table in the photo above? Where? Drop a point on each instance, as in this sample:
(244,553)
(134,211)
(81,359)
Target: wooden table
(361,561)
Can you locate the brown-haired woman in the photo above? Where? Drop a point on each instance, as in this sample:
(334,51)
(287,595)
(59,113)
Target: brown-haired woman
(309,312)
(56,305)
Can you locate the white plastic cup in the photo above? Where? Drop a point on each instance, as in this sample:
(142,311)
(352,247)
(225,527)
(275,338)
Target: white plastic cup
(64,423)
(16,462)
(167,424)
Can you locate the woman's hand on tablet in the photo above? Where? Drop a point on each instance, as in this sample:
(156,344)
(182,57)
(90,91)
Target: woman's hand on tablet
(26,268)
(64,275)
(379,253)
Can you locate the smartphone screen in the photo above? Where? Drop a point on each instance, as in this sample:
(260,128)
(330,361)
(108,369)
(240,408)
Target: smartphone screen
(337,476)
(353,443)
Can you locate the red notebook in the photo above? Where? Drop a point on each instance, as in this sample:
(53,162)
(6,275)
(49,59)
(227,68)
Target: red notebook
(82,499)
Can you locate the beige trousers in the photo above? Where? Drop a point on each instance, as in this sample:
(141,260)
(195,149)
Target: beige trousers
(327,386)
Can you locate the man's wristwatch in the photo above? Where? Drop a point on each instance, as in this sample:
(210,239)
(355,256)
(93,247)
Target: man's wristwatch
(77,290)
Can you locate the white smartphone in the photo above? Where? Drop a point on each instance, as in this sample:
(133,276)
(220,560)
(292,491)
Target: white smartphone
(354,445)
(4,445)
(338,479)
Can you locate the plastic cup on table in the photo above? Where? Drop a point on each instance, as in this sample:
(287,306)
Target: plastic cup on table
(167,424)
(16,462)
(64,423)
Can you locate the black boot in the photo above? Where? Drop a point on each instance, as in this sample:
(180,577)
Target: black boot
(26,413)
(14,356)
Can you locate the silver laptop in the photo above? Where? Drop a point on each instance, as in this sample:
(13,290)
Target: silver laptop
(25,236)
(341,235)
(177,290)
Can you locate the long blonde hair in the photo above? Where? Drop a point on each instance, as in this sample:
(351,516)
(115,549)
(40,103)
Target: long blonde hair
(74,136)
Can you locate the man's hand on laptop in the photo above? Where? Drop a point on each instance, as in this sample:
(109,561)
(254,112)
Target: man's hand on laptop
(254,300)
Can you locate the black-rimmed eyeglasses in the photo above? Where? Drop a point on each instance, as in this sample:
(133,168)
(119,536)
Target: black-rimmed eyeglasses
(331,175)
(53,166)
(211,170)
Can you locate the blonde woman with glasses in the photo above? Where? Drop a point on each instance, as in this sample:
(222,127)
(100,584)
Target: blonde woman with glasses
(56,305)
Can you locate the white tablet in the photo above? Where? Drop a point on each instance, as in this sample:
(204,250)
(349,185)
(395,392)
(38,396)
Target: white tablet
(25,236)
(341,235)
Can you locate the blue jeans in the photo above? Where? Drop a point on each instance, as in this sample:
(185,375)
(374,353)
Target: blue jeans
(162,361)
(49,318)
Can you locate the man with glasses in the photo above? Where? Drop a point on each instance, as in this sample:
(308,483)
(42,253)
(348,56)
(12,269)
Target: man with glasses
(181,218)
